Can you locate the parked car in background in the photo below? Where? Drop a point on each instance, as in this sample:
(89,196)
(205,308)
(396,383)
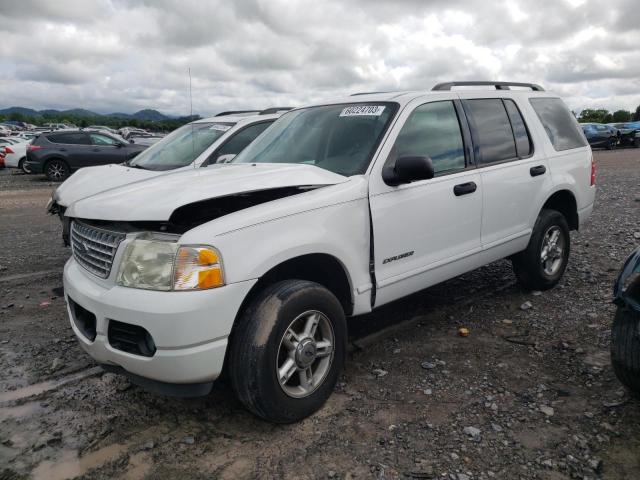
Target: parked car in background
(147,140)
(197,144)
(57,126)
(26,135)
(335,210)
(625,332)
(16,155)
(10,140)
(101,128)
(57,154)
(600,135)
(628,133)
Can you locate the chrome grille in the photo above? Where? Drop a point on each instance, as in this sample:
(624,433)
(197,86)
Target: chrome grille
(94,248)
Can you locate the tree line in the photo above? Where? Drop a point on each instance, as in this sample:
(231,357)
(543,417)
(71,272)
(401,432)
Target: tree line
(601,115)
(165,125)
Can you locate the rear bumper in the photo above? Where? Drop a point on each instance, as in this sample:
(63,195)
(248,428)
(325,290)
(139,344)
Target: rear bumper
(584,214)
(35,165)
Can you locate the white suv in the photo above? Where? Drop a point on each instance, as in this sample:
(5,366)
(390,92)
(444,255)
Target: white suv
(337,209)
(197,144)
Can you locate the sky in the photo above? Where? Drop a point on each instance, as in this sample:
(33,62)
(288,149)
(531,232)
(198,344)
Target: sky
(126,55)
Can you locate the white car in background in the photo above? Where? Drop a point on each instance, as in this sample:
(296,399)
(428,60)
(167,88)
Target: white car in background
(198,144)
(15,155)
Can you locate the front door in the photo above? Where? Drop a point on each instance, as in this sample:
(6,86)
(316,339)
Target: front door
(423,231)
(105,150)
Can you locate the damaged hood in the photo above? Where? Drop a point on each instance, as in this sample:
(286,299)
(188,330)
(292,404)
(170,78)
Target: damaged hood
(156,199)
(91,180)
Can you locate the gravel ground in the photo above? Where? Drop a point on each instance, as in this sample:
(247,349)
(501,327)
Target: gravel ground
(528,394)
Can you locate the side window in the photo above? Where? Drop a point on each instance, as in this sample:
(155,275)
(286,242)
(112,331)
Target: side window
(561,126)
(240,141)
(492,133)
(520,132)
(69,138)
(432,130)
(98,139)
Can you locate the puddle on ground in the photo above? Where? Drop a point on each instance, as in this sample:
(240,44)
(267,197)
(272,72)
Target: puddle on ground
(139,466)
(69,465)
(38,388)
(20,411)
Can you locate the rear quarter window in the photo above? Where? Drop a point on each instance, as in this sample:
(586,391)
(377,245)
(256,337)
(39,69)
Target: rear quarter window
(559,123)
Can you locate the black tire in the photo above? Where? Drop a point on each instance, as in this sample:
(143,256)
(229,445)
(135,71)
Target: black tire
(625,348)
(256,345)
(57,170)
(636,142)
(22,166)
(528,265)
(611,143)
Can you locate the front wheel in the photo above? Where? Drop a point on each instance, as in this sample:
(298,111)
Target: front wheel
(611,144)
(625,347)
(542,264)
(288,350)
(56,170)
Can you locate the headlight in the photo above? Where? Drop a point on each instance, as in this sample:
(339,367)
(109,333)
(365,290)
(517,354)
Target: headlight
(164,265)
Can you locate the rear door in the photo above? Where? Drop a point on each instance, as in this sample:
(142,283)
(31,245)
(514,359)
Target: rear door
(71,146)
(515,175)
(105,150)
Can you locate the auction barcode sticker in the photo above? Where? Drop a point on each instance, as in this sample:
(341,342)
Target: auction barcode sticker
(219,127)
(359,110)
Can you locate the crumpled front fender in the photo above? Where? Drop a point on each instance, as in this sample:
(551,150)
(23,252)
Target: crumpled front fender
(626,290)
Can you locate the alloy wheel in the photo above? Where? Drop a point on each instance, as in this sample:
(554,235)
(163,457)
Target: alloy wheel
(552,252)
(305,354)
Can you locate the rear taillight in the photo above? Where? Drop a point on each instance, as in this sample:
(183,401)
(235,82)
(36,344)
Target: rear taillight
(33,148)
(7,150)
(593,172)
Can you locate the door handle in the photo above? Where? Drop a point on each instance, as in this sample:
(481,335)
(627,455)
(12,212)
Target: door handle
(465,188)
(538,170)
(63,149)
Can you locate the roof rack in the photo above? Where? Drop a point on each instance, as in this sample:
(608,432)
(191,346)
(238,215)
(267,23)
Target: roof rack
(235,112)
(497,85)
(269,111)
(365,93)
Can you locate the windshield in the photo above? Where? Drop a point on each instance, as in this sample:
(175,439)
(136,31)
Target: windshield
(181,147)
(338,138)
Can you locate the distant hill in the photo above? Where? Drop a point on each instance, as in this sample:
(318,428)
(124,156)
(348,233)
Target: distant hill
(146,114)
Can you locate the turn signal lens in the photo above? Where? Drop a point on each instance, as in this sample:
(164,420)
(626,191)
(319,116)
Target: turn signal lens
(197,268)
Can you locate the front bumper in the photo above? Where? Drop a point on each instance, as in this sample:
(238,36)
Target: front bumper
(189,329)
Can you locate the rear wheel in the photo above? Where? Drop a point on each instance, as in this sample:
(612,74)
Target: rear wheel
(22,165)
(56,170)
(636,142)
(545,259)
(288,350)
(625,348)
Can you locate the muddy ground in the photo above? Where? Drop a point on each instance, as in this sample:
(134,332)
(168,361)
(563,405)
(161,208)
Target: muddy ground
(535,385)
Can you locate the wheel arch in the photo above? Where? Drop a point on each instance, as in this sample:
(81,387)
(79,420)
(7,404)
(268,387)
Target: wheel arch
(322,268)
(564,201)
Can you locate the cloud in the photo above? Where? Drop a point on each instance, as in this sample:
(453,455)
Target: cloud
(124,55)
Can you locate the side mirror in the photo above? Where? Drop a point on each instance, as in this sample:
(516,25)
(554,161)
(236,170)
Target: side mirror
(408,169)
(226,158)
